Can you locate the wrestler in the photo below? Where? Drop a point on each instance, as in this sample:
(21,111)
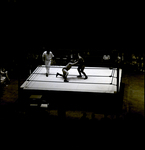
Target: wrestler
(81,67)
(65,70)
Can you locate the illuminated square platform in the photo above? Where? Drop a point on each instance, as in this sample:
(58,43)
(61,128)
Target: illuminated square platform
(101,86)
(98,80)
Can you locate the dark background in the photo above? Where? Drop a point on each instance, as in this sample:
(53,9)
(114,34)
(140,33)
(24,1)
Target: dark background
(29,26)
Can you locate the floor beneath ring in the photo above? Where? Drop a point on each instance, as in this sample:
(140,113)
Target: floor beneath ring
(133,101)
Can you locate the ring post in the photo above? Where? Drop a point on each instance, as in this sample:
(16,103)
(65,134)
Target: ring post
(117,78)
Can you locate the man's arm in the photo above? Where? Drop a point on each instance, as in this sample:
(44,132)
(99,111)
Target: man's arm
(2,72)
(74,63)
(52,54)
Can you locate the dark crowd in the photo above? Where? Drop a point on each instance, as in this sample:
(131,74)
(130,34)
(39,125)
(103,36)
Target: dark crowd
(23,64)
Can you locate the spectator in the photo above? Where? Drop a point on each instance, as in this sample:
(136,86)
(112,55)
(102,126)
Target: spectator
(106,57)
(4,75)
(134,62)
(141,64)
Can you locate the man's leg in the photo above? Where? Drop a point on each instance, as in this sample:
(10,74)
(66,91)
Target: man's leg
(47,65)
(86,77)
(79,72)
(65,74)
(48,69)
(59,74)
(82,71)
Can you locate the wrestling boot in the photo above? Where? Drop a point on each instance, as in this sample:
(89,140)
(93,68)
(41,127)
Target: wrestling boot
(79,76)
(86,77)
(56,74)
(65,80)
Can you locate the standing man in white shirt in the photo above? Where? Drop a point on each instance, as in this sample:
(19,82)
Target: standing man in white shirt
(46,57)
